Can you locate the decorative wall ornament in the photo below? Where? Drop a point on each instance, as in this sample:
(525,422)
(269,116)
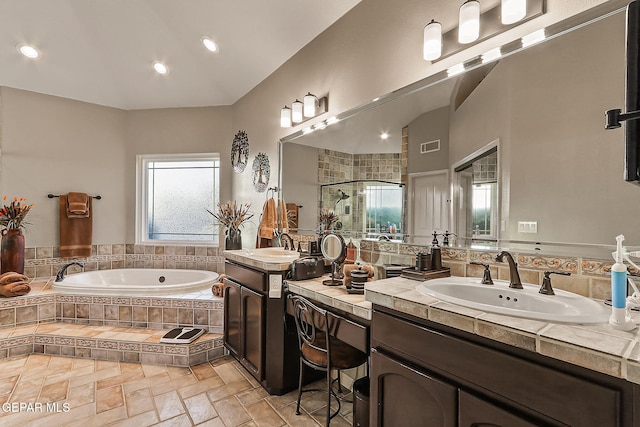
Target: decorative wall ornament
(240,152)
(261,172)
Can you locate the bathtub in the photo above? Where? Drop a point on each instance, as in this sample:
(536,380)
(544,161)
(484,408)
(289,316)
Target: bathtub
(137,282)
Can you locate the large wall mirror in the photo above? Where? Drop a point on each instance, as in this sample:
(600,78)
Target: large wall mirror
(512,150)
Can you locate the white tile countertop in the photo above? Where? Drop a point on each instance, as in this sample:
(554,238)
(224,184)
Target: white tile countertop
(267,259)
(597,347)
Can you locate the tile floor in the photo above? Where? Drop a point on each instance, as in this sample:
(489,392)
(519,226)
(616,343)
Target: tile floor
(52,391)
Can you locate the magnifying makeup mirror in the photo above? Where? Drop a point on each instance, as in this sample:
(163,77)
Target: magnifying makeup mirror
(335,250)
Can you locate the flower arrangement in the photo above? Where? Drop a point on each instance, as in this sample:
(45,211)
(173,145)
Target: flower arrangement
(232,215)
(12,216)
(327,218)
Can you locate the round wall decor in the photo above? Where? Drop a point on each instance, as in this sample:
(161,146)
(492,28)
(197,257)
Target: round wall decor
(240,151)
(261,172)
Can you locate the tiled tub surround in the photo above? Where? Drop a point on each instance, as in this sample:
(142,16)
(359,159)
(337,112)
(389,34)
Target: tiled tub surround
(45,261)
(109,327)
(589,277)
(596,347)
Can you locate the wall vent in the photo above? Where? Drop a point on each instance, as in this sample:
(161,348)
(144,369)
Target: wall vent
(430,147)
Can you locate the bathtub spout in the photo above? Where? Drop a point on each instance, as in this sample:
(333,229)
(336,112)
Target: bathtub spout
(63,269)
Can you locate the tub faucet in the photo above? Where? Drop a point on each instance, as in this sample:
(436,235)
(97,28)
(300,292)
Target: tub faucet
(514,276)
(63,269)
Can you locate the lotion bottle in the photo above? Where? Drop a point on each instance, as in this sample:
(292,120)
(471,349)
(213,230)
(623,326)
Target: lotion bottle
(619,316)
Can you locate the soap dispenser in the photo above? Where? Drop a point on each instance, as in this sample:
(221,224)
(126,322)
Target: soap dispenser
(620,318)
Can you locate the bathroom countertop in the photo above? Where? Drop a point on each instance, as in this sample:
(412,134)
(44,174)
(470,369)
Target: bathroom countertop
(597,347)
(262,259)
(333,296)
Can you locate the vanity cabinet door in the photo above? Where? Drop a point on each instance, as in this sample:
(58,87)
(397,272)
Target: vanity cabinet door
(253,332)
(404,396)
(232,318)
(475,412)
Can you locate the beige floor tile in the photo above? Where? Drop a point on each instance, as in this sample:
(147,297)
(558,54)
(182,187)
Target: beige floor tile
(105,418)
(200,408)
(81,395)
(264,415)
(231,412)
(7,384)
(144,419)
(200,387)
(172,384)
(229,373)
(119,379)
(109,398)
(138,402)
(169,405)
(288,413)
(150,370)
(66,418)
(179,421)
(228,390)
(54,392)
(26,390)
(178,372)
(251,396)
(60,376)
(60,364)
(284,400)
(147,381)
(94,376)
(214,422)
(203,371)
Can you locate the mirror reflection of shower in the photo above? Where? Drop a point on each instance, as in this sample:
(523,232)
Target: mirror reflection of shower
(341,196)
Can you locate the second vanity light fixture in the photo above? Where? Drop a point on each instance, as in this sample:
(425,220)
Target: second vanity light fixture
(474,26)
(301,111)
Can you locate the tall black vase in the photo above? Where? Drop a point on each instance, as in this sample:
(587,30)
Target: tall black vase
(233,241)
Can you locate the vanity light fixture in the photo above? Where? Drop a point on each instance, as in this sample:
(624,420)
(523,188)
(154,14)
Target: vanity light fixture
(474,27)
(491,55)
(285,117)
(513,11)
(333,119)
(160,68)
(533,38)
(304,110)
(455,70)
(296,111)
(432,46)
(209,44)
(469,22)
(321,125)
(307,131)
(29,51)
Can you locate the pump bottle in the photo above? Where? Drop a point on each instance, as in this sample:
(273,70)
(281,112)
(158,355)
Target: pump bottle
(619,316)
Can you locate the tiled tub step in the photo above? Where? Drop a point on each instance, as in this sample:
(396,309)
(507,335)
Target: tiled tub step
(107,343)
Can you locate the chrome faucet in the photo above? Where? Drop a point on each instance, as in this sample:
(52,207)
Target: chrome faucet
(63,269)
(514,276)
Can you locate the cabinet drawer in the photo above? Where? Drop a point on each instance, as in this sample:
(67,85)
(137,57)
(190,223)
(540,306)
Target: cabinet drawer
(252,279)
(536,387)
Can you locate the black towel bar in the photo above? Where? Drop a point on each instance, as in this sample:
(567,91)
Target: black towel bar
(51,196)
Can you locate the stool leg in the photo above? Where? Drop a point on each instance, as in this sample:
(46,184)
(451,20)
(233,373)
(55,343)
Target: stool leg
(299,387)
(328,396)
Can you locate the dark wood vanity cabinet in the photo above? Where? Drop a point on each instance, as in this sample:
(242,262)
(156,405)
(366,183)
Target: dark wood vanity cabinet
(244,326)
(423,373)
(256,332)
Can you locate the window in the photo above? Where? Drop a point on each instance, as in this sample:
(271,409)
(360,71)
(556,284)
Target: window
(383,212)
(174,193)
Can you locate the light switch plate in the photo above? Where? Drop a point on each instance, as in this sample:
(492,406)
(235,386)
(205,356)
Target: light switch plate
(529,227)
(275,285)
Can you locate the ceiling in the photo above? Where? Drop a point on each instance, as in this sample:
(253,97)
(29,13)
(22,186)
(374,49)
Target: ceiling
(101,51)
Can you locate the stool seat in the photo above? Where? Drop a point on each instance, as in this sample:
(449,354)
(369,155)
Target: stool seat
(343,356)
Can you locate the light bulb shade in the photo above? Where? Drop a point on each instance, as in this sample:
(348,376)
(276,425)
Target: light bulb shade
(310,105)
(432,47)
(285,117)
(513,11)
(296,111)
(469,22)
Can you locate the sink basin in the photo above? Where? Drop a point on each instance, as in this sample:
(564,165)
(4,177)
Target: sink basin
(563,307)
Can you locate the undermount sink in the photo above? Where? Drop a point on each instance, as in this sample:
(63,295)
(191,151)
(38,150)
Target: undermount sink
(563,307)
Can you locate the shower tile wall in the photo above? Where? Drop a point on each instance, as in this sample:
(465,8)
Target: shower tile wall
(45,261)
(336,166)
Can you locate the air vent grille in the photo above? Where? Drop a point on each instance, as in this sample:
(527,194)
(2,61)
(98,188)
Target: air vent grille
(430,147)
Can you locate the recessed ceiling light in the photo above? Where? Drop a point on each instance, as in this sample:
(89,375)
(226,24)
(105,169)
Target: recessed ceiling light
(209,44)
(384,135)
(28,51)
(160,68)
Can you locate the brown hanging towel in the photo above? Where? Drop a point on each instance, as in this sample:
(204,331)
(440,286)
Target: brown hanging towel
(75,225)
